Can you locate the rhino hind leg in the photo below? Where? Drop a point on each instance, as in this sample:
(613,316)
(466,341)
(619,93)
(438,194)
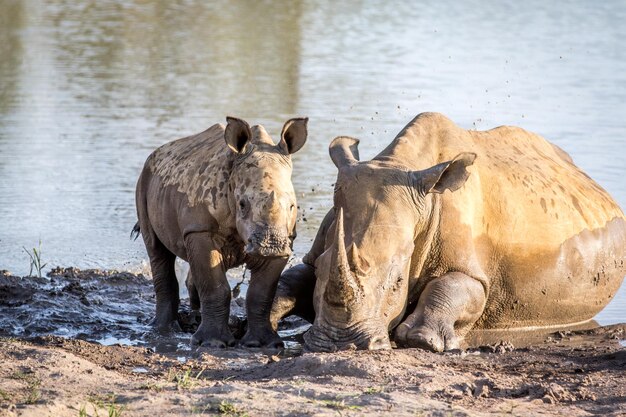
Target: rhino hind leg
(446,310)
(213,290)
(263,282)
(194,298)
(165,284)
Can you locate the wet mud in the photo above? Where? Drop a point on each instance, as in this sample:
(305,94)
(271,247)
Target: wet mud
(79,342)
(107,307)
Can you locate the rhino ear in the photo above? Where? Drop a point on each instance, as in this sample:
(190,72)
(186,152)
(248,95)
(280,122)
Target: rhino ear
(450,175)
(294,134)
(237,134)
(344,150)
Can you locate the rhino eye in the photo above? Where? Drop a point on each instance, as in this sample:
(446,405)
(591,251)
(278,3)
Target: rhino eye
(291,207)
(242,204)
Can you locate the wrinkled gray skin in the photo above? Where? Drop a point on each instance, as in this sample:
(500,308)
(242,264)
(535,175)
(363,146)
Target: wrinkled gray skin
(219,199)
(448,230)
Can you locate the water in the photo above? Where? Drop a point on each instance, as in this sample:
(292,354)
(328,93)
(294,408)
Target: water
(89,89)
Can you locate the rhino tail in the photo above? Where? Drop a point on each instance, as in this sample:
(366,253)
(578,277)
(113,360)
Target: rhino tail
(134,234)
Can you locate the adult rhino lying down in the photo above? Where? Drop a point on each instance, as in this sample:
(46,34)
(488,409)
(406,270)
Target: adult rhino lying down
(218,199)
(448,230)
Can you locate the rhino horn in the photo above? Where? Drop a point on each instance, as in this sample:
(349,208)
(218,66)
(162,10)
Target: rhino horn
(271,203)
(342,286)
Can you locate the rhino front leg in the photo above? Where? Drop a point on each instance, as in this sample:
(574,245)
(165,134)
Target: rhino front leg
(263,281)
(294,294)
(446,310)
(209,279)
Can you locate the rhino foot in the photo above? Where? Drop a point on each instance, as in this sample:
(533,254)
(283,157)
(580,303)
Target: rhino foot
(426,338)
(213,337)
(165,325)
(256,339)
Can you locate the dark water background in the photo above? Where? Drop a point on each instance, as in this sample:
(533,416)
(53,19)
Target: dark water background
(89,89)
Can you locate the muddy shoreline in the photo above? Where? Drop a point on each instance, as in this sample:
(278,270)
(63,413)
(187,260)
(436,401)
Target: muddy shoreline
(54,365)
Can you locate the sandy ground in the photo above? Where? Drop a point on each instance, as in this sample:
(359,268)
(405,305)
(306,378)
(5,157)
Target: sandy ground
(566,373)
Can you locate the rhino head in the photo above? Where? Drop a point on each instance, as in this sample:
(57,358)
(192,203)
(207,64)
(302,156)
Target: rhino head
(261,193)
(382,212)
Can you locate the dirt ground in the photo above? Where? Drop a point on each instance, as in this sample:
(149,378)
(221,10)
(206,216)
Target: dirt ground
(570,373)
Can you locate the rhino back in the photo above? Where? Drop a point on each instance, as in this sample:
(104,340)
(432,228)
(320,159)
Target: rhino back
(531,194)
(550,242)
(184,186)
(197,166)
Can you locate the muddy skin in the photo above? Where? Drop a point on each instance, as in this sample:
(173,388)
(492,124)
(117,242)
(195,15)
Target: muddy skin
(449,230)
(220,199)
(568,372)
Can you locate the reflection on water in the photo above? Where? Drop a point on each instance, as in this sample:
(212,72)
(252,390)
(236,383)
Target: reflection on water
(88,89)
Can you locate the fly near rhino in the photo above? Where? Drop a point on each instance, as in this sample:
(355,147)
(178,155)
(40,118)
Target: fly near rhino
(219,199)
(449,230)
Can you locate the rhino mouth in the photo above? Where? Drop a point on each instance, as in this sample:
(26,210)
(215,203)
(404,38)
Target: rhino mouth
(268,243)
(324,338)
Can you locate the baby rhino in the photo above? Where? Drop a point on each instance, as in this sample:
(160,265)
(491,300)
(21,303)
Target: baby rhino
(220,199)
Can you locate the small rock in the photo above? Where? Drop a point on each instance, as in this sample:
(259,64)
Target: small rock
(459,390)
(273,359)
(558,393)
(481,390)
(500,347)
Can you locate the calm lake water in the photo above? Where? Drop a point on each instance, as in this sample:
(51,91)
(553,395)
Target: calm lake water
(89,89)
